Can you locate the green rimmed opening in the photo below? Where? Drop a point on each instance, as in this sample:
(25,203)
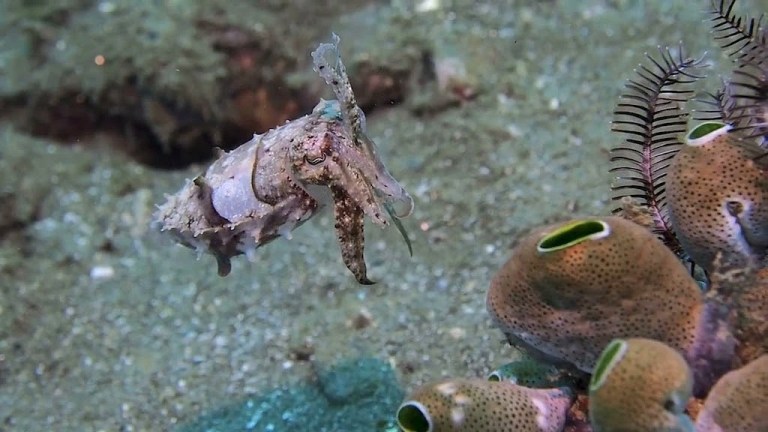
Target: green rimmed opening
(706,132)
(611,355)
(494,376)
(573,233)
(704,129)
(413,417)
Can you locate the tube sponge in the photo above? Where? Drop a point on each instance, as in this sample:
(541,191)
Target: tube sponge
(474,405)
(569,289)
(738,402)
(717,196)
(640,385)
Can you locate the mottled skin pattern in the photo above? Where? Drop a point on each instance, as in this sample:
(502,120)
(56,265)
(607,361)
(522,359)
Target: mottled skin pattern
(738,402)
(564,306)
(717,194)
(349,229)
(645,390)
(275,182)
(477,405)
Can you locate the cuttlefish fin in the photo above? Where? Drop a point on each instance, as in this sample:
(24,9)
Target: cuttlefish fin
(350,222)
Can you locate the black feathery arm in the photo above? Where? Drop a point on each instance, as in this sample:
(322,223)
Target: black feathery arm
(651,116)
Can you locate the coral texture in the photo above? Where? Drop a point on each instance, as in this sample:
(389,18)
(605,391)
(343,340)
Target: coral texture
(474,405)
(718,199)
(738,401)
(569,289)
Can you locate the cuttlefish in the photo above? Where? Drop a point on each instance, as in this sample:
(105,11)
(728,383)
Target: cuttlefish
(275,182)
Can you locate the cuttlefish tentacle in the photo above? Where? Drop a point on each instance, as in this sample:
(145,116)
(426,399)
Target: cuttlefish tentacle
(358,188)
(372,185)
(372,198)
(349,226)
(385,185)
(378,199)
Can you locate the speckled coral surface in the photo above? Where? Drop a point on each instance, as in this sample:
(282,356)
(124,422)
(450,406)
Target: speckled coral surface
(105,325)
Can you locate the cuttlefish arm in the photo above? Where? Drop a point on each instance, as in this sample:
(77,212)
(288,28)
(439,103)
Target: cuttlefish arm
(350,222)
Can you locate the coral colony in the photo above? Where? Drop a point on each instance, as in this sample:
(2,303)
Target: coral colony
(612,302)
(275,182)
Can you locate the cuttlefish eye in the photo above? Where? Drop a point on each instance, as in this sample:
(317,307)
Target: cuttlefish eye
(314,160)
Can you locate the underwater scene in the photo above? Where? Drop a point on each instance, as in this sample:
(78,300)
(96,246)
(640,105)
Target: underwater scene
(384,215)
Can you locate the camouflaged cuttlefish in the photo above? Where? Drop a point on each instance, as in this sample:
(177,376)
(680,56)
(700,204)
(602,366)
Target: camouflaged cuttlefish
(275,182)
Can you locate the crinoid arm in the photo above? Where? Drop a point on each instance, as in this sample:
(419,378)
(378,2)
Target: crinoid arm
(651,115)
(748,113)
(743,39)
(745,94)
(715,106)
